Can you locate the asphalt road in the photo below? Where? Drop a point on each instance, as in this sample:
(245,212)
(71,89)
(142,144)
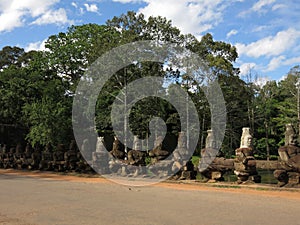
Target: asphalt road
(30,200)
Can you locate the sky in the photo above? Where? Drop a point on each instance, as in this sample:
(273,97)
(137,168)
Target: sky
(266,33)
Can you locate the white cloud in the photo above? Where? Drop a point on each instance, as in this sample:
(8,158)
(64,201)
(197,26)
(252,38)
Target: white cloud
(260,28)
(291,61)
(270,46)
(279,61)
(10,20)
(15,13)
(279,6)
(246,68)
(275,63)
(38,46)
(231,33)
(53,17)
(190,16)
(262,3)
(258,7)
(74,5)
(127,1)
(91,7)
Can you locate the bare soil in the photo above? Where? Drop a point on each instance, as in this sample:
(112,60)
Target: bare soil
(251,189)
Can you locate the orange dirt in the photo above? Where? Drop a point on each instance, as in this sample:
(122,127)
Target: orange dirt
(293,193)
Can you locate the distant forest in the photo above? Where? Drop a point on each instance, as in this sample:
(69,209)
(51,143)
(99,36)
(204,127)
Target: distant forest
(37,87)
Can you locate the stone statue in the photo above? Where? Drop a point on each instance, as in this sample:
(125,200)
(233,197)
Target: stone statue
(210,140)
(86,150)
(18,156)
(58,158)
(246,139)
(137,143)
(211,166)
(47,158)
(245,163)
(158,152)
(100,157)
(70,157)
(289,155)
(118,150)
(290,135)
(181,160)
(136,156)
(100,145)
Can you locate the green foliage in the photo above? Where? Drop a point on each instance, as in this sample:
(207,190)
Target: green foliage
(195,161)
(47,118)
(37,87)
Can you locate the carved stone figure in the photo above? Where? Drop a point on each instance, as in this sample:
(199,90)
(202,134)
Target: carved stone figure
(210,140)
(118,150)
(289,155)
(70,157)
(35,158)
(47,158)
(137,143)
(9,158)
(158,153)
(211,166)
(290,135)
(181,160)
(100,157)
(246,139)
(26,157)
(245,164)
(100,144)
(58,158)
(84,157)
(136,157)
(18,157)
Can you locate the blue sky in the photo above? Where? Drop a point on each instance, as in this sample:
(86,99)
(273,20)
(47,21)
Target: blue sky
(265,32)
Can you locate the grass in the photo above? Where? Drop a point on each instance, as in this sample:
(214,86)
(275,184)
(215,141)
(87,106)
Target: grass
(195,161)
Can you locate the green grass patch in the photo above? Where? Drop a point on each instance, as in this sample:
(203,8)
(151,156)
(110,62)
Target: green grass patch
(195,161)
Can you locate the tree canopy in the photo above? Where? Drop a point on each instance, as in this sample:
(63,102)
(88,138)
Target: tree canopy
(37,87)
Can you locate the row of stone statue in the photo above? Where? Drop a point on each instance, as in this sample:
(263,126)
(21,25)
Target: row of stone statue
(158,162)
(98,159)
(244,163)
(61,159)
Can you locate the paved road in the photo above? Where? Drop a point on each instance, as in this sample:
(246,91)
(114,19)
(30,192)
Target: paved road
(29,200)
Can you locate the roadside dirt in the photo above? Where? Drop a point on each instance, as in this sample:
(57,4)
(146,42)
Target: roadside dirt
(255,189)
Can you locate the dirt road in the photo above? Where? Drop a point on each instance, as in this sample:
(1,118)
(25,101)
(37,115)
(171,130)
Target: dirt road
(52,199)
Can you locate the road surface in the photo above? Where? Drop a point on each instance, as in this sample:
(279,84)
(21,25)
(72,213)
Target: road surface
(54,200)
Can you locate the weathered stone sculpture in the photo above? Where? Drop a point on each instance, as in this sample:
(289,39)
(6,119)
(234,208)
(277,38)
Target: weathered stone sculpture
(118,150)
(26,157)
(158,153)
(289,159)
(245,164)
(2,155)
(9,158)
(70,157)
(159,165)
(100,157)
(18,156)
(58,158)
(84,157)
(47,158)
(181,162)
(211,166)
(136,156)
(35,158)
